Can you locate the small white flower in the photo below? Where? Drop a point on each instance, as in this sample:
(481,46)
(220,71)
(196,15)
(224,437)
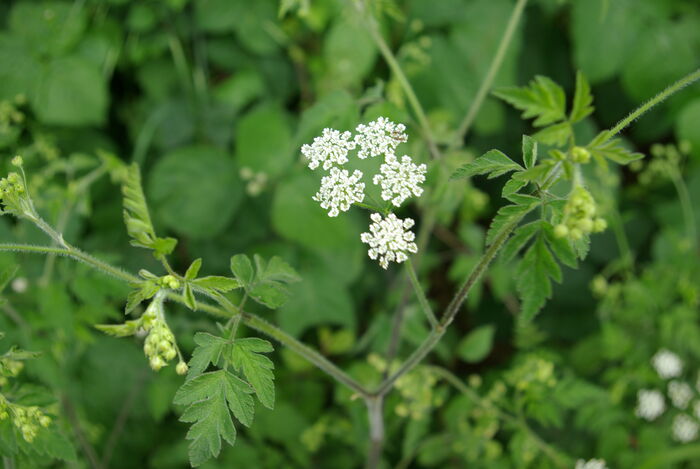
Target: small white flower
(685,429)
(400,179)
(339,191)
(591,464)
(379,137)
(650,404)
(330,148)
(389,239)
(680,393)
(667,364)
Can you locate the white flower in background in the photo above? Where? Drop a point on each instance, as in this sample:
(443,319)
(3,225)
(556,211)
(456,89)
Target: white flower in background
(379,137)
(680,393)
(339,191)
(591,464)
(330,148)
(667,364)
(400,179)
(389,239)
(650,404)
(685,429)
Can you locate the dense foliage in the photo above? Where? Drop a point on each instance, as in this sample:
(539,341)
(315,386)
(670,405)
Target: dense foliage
(173,291)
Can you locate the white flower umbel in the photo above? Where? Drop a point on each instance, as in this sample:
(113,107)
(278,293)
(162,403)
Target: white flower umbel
(680,393)
(339,191)
(400,180)
(591,464)
(650,404)
(379,137)
(330,148)
(667,364)
(389,239)
(685,429)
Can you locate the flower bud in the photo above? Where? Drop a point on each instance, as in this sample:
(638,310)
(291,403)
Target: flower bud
(181,368)
(561,231)
(17,161)
(599,224)
(580,155)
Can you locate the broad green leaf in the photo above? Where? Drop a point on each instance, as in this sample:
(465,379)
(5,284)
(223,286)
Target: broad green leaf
(242,269)
(507,217)
(477,345)
(529,151)
(208,350)
(542,99)
(494,163)
(246,357)
(348,53)
(583,100)
(209,398)
(49,27)
(136,216)
(687,128)
(264,141)
(533,278)
(271,280)
(196,190)
(218,283)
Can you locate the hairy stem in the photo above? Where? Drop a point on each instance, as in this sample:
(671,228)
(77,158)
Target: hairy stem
(375,415)
(495,65)
(425,306)
(448,316)
(686,203)
(659,98)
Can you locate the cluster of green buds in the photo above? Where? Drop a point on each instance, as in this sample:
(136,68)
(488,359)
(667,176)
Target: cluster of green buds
(27,419)
(9,368)
(169,281)
(10,114)
(666,160)
(532,372)
(580,155)
(580,216)
(13,192)
(159,345)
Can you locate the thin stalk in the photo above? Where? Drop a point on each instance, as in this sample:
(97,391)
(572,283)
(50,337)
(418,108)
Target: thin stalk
(659,98)
(686,203)
(448,316)
(425,306)
(486,83)
(375,416)
(249,319)
(393,63)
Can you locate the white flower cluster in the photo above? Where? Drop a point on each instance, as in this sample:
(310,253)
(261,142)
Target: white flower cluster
(685,429)
(650,404)
(339,191)
(667,364)
(330,148)
(380,137)
(680,393)
(389,239)
(591,464)
(400,179)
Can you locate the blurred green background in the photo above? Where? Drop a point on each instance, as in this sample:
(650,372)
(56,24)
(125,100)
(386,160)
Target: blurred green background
(213,99)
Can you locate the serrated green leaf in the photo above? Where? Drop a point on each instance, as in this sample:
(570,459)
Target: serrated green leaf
(556,134)
(519,239)
(209,349)
(494,163)
(477,345)
(529,151)
(218,283)
(143,291)
(533,278)
(535,174)
(7,275)
(613,149)
(271,280)
(193,269)
(507,217)
(542,99)
(512,186)
(246,358)
(242,269)
(209,398)
(136,216)
(561,247)
(190,300)
(583,100)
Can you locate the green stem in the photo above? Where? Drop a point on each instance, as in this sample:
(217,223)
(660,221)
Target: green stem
(448,316)
(249,319)
(495,65)
(421,295)
(659,98)
(686,203)
(393,63)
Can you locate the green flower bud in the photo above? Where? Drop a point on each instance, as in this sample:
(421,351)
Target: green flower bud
(575,234)
(585,225)
(157,363)
(45,421)
(561,231)
(580,155)
(17,161)
(599,225)
(181,368)
(169,354)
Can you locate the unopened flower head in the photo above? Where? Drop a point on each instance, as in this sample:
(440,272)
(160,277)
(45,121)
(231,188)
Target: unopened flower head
(685,429)
(389,239)
(580,216)
(650,404)
(379,137)
(667,364)
(159,346)
(331,148)
(339,190)
(400,180)
(591,464)
(680,393)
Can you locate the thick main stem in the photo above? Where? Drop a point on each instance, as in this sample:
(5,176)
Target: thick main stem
(375,417)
